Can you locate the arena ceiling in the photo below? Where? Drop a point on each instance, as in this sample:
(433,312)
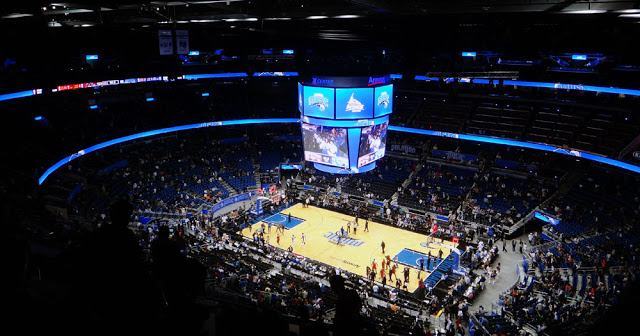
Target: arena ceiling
(127,12)
(31,29)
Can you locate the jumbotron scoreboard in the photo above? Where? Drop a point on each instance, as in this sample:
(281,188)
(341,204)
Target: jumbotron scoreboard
(344,121)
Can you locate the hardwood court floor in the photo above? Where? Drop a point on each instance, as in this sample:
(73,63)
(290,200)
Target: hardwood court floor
(320,225)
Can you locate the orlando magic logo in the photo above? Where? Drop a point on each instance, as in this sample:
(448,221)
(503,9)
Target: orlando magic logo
(383,100)
(319,100)
(343,240)
(571,152)
(76,155)
(353,105)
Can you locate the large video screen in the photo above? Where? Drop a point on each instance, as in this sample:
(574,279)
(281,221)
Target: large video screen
(326,145)
(318,102)
(354,103)
(373,140)
(383,100)
(300,99)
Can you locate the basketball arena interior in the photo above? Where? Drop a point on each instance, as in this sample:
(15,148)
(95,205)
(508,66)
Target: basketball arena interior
(340,167)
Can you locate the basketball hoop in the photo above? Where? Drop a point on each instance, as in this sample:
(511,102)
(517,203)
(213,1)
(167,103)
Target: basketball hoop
(428,242)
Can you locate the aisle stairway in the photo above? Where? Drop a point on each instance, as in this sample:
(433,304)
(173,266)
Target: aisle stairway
(405,184)
(232,191)
(257,170)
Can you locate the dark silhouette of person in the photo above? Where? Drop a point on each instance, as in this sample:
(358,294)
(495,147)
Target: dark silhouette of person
(347,320)
(179,278)
(110,282)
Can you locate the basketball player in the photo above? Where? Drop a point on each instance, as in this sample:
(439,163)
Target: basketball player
(278,238)
(304,239)
(366,226)
(348,227)
(393,272)
(293,240)
(355,226)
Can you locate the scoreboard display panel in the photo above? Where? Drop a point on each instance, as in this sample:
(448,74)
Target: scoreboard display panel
(354,103)
(326,145)
(373,140)
(383,100)
(319,102)
(344,121)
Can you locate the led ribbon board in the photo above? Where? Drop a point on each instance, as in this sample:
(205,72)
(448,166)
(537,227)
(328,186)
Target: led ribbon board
(20,94)
(523,144)
(275,74)
(544,85)
(578,87)
(105,144)
(484,139)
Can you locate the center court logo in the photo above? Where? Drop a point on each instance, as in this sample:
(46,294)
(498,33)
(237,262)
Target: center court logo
(332,236)
(353,105)
(319,100)
(383,99)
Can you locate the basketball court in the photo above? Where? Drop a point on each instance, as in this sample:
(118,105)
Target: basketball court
(356,251)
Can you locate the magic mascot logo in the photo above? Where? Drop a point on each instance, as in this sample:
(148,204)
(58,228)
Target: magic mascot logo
(383,99)
(336,238)
(319,100)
